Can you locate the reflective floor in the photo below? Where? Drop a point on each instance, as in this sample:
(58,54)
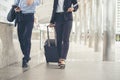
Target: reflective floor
(82,64)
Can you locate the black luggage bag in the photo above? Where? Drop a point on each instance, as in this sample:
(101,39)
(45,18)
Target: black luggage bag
(50,49)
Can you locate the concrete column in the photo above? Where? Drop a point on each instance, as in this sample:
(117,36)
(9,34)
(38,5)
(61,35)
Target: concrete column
(117,30)
(77,26)
(85,22)
(97,26)
(109,30)
(91,26)
(7,51)
(80,21)
(96,38)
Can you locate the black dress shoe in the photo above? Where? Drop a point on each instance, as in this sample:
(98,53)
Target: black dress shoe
(62,66)
(24,64)
(28,60)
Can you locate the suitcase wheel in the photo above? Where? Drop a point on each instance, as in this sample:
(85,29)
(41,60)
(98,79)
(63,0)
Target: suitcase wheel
(47,62)
(62,66)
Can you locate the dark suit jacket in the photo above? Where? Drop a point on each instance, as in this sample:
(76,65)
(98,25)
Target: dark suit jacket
(67,4)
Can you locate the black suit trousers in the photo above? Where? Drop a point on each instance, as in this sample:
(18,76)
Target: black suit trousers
(25,26)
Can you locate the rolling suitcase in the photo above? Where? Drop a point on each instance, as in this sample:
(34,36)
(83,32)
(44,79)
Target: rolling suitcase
(50,49)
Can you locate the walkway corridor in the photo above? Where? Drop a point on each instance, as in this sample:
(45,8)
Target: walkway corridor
(95,21)
(82,64)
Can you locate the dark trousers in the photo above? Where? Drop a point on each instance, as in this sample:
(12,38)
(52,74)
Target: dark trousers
(63,29)
(24,29)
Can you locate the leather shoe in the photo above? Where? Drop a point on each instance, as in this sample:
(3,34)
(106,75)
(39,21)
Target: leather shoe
(24,64)
(28,60)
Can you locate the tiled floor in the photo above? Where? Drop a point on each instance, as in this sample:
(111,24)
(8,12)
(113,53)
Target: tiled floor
(74,71)
(82,64)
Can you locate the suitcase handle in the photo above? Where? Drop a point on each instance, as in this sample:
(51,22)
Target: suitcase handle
(49,36)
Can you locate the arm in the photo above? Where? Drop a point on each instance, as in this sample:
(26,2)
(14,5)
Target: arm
(75,5)
(53,15)
(16,4)
(52,18)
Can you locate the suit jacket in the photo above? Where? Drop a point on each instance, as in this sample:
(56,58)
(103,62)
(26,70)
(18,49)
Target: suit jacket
(67,4)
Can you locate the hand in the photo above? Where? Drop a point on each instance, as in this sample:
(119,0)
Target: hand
(51,25)
(70,9)
(17,9)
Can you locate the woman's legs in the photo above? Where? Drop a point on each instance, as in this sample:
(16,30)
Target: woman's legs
(63,30)
(59,32)
(65,39)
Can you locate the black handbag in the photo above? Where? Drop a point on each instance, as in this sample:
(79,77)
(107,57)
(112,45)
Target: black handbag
(12,14)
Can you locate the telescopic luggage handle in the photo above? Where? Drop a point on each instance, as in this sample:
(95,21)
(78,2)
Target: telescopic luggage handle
(48,36)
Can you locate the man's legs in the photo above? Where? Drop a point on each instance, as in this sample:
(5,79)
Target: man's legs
(21,32)
(27,40)
(24,33)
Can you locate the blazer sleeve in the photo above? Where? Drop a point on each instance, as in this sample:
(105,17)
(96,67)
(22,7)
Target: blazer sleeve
(75,5)
(53,14)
